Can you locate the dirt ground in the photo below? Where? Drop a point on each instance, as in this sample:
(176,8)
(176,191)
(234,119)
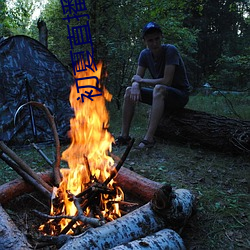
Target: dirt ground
(220,182)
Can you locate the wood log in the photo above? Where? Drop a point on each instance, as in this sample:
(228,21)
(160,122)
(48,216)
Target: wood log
(150,218)
(163,239)
(10,237)
(136,185)
(18,187)
(26,176)
(22,164)
(131,182)
(212,131)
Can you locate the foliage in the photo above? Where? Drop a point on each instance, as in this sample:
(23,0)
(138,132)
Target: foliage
(223,31)
(212,36)
(232,72)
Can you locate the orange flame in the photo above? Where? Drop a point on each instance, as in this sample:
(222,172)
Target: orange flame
(88,155)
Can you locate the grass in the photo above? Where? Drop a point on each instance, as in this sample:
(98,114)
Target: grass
(219,180)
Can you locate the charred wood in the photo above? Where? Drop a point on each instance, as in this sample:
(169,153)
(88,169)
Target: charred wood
(136,185)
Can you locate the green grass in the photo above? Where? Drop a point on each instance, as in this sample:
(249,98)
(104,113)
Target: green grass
(233,106)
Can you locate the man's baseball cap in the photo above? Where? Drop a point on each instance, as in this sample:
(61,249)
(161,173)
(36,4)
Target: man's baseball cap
(149,27)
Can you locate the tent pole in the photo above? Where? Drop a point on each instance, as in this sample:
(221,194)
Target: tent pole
(33,125)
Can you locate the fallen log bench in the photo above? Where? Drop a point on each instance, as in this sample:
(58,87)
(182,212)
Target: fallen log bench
(212,131)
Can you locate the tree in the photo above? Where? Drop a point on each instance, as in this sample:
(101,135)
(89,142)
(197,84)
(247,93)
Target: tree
(223,32)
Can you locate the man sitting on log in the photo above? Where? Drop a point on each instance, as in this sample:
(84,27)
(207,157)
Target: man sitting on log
(168,89)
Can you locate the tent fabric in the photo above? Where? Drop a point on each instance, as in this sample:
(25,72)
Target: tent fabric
(29,71)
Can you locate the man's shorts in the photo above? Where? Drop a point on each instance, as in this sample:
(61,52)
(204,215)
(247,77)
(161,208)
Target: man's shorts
(175,99)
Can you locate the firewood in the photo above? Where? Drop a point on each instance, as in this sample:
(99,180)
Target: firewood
(136,185)
(150,218)
(13,156)
(18,187)
(163,239)
(140,187)
(10,237)
(26,176)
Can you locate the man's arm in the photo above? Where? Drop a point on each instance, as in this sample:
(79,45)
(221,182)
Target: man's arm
(166,80)
(135,93)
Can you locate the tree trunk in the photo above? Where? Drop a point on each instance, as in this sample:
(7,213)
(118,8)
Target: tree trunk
(10,237)
(212,131)
(43,32)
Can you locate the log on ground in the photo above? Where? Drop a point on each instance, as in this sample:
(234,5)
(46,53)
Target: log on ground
(163,239)
(212,131)
(148,219)
(136,185)
(18,187)
(10,237)
(131,182)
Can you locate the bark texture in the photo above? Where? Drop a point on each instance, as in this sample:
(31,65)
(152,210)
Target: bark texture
(131,182)
(162,240)
(43,32)
(212,131)
(167,209)
(18,187)
(10,237)
(140,187)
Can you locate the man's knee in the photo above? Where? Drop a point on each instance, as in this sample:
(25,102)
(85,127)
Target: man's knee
(127,92)
(159,91)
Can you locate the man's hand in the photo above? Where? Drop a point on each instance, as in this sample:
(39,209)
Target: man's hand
(135,93)
(136,78)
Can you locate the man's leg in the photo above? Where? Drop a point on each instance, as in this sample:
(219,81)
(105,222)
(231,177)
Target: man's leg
(156,112)
(127,113)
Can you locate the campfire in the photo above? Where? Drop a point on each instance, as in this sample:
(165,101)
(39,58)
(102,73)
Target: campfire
(87,198)
(87,189)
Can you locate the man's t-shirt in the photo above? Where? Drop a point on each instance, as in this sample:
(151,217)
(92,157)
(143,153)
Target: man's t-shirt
(171,56)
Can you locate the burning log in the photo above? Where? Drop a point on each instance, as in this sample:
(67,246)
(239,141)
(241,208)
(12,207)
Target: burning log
(10,237)
(216,132)
(165,210)
(163,239)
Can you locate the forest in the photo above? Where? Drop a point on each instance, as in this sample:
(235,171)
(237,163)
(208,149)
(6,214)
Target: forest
(212,36)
